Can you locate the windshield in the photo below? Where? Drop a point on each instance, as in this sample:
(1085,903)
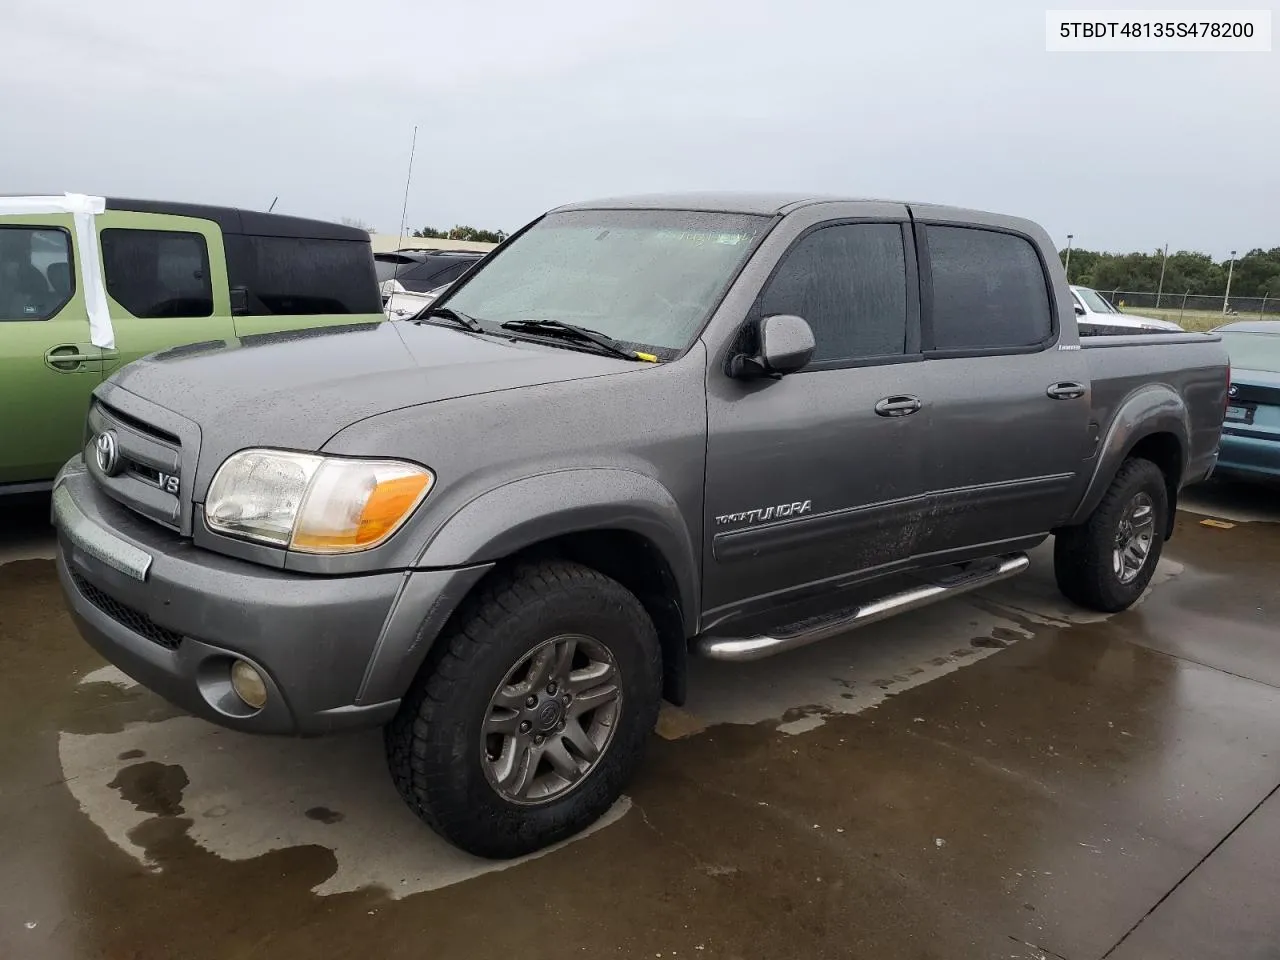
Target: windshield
(647,278)
(1094,301)
(1253,351)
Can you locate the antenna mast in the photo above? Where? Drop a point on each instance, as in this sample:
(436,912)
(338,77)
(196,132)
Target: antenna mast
(404,211)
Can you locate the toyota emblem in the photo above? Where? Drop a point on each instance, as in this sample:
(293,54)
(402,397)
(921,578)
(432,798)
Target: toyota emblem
(1233,390)
(107,452)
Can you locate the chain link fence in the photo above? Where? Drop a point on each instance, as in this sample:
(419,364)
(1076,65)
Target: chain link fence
(1181,305)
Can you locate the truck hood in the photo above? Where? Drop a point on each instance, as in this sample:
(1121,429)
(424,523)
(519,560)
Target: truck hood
(298,388)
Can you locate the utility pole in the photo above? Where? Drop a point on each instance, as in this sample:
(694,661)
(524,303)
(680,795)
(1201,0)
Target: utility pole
(1067,267)
(1160,289)
(1226,297)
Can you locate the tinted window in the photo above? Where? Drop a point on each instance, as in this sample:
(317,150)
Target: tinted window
(989,290)
(296,276)
(850,283)
(450,274)
(387,267)
(157,273)
(35,272)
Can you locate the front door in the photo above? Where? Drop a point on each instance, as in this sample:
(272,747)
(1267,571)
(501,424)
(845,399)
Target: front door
(814,479)
(166,280)
(48,367)
(1008,411)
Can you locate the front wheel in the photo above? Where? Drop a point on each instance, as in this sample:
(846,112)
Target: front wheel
(1106,563)
(532,714)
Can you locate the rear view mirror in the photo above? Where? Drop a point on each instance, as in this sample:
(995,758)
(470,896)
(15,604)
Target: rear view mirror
(786,345)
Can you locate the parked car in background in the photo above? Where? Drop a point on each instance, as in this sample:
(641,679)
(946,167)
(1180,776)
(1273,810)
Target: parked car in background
(421,271)
(1098,316)
(402,304)
(1251,432)
(163,275)
(644,428)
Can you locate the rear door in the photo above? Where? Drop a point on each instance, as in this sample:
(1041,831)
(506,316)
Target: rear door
(166,280)
(296,283)
(1008,411)
(48,367)
(812,479)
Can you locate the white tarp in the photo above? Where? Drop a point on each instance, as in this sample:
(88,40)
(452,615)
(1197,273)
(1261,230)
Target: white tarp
(82,209)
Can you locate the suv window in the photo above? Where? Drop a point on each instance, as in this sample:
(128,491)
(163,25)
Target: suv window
(157,273)
(451,274)
(305,277)
(36,278)
(849,282)
(989,290)
(427,274)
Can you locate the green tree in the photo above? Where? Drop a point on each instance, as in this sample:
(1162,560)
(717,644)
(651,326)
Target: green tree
(462,233)
(1255,273)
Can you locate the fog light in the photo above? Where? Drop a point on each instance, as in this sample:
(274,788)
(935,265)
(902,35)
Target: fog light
(248,684)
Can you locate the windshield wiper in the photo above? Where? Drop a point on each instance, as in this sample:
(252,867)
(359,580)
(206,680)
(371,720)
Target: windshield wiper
(558,328)
(466,321)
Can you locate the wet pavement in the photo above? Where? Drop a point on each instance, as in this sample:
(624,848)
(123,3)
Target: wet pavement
(1001,775)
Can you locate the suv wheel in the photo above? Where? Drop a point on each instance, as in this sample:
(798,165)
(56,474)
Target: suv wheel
(531,715)
(1106,563)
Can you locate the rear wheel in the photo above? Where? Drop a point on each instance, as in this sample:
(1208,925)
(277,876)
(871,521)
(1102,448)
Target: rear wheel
(1106,563)
(531,716)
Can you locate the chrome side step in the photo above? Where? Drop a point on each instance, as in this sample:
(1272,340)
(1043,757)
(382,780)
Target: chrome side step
(979,574)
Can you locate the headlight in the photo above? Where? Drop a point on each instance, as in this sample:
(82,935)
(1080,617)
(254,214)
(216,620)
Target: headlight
(313,504)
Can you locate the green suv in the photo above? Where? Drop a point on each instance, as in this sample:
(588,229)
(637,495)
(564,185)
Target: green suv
(161,275)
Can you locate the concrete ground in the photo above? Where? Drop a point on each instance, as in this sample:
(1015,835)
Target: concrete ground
(1000,775)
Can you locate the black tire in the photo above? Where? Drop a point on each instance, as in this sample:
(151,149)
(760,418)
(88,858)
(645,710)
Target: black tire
(435,747)
(1083,556)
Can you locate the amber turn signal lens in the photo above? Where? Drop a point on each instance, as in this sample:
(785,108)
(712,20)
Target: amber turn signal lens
(357,504)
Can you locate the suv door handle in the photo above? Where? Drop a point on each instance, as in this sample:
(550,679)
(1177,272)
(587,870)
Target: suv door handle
(898,406)
(68,357)
(1066,390)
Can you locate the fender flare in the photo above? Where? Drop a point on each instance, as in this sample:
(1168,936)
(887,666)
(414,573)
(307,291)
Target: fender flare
(524,512)
(1152,408)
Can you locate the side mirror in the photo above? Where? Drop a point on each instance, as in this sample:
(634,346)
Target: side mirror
(1079,310)
(786,345)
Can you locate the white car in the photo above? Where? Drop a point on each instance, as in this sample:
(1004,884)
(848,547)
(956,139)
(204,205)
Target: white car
(400,304)
(1094,309)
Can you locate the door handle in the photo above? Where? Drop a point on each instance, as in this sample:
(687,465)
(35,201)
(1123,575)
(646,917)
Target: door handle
(898,406)
(1065,390)
(68,357)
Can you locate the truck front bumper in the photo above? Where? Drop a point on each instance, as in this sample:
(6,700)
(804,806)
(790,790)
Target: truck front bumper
(334,652)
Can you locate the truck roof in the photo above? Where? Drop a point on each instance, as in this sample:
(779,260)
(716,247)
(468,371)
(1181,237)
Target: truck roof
(767,203)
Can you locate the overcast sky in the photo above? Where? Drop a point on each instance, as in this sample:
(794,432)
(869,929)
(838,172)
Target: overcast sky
(522,106)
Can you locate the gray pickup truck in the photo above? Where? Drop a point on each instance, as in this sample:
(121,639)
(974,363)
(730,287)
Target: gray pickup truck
(644,428)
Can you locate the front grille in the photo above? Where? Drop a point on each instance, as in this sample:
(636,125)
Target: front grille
(126,616)
(146,477)
(146,429)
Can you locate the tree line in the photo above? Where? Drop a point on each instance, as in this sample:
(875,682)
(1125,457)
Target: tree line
(462,233)
(1256,274)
